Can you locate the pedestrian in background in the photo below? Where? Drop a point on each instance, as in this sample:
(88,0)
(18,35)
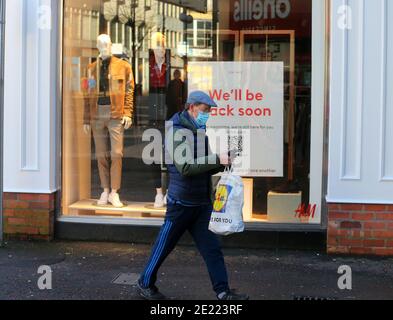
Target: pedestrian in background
(176,95)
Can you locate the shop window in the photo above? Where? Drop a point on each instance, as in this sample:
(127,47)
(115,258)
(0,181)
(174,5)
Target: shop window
(273,37)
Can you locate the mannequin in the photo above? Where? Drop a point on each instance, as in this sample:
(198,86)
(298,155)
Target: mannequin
(108,111)
(160,54)
(158,85)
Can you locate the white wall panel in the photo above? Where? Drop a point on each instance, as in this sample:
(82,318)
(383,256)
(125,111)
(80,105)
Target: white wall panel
(361,102)
(30,96)
(387,114)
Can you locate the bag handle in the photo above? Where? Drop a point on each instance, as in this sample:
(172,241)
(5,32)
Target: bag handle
(228,169)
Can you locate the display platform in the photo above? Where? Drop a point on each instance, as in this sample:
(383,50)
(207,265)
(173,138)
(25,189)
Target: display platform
(130,210)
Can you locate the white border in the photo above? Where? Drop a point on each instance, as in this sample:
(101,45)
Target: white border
(318,104)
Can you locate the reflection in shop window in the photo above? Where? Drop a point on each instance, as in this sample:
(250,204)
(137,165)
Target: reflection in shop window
(150,40)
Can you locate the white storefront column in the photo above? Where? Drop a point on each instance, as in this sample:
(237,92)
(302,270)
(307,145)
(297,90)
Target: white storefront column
(31,96)
(361,102)
(360,187)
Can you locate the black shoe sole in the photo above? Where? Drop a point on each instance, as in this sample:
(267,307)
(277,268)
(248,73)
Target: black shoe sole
(150,298)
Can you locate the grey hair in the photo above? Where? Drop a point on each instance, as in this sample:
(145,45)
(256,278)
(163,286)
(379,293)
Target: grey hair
(188,105)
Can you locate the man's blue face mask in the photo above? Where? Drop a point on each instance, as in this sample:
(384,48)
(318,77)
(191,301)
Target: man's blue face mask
(202,119)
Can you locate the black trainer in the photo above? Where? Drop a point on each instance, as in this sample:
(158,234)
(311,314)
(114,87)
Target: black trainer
(233,295)
(150,293)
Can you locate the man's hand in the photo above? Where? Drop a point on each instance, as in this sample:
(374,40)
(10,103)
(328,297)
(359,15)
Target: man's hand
(126,122)
(86,128)
(227,158)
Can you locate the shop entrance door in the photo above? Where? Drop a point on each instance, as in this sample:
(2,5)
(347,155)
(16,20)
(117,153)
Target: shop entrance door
(227,47)
(282,45)
(269,45)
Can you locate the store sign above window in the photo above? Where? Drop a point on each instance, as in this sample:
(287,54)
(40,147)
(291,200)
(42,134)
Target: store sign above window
(245,10)
(196,5)
(271,15)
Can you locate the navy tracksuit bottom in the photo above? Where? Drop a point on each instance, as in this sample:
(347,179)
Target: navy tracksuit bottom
(196,220)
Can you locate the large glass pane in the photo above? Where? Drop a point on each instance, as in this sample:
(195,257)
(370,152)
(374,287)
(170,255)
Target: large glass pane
(169,53)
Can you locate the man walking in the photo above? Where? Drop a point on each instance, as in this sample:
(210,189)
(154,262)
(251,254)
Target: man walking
(190,198)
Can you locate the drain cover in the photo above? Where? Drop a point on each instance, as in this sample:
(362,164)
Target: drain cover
(126,279)
(310,298)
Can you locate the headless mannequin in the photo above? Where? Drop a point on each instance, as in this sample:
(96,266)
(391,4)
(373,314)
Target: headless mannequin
(104,46)
(160,59)
(159,54)
(158,46)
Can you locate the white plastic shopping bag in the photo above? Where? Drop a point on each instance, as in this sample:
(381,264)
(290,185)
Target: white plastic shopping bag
(227,216)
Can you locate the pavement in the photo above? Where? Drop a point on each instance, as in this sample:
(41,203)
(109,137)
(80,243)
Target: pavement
(87,271)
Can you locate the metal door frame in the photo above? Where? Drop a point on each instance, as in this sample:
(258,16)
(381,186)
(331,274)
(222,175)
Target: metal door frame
(291,125)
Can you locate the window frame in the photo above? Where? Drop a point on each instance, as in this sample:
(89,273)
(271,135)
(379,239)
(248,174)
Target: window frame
(320,99)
